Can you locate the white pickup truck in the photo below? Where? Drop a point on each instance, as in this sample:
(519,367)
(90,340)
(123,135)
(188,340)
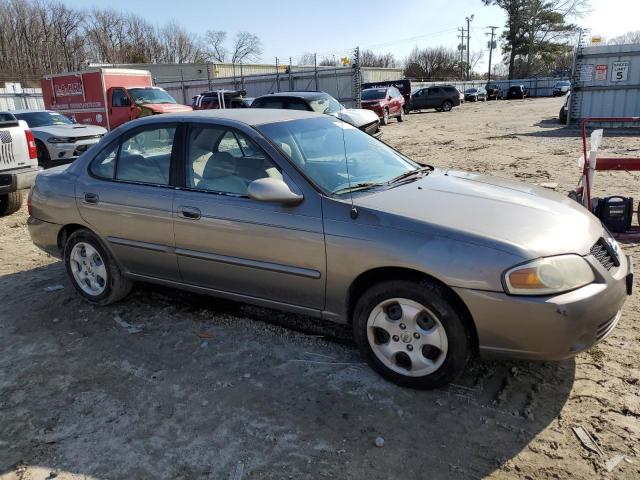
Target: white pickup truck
(18,162)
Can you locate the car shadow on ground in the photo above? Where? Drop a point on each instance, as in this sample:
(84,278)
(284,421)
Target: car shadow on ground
(167,384)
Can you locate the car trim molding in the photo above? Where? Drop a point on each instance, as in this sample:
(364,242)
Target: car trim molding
(245,262)
(137,244)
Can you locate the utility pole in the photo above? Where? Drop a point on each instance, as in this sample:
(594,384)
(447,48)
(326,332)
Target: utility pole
(491,45)
(461,48)
(469,20)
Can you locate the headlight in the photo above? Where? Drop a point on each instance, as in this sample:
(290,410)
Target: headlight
(59,140)
(547,276)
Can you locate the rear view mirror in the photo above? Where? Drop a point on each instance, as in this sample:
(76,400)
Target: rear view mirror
(273,190)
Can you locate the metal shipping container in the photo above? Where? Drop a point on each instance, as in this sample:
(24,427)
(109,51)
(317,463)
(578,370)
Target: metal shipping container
(606,82)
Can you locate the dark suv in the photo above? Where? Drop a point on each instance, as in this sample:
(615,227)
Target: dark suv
(517,91)
(442,98)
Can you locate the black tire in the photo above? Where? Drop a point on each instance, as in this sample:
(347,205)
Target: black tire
(401,116)
(44,159)
(433,297)
(446,106)
(406,110)
(117,285)
(10,203)
(385,117)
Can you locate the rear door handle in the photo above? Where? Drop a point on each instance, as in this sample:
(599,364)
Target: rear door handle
(191,213)
(91,198)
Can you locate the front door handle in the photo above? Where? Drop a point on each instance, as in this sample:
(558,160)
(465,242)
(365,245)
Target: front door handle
(91,198)
(191,213)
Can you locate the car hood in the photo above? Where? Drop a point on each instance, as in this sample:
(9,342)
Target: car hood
(357,116)
(167,107)
(514,217)
(75,130)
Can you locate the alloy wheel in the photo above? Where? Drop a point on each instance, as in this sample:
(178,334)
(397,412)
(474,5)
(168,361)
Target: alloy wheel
(407,337)
(88,268)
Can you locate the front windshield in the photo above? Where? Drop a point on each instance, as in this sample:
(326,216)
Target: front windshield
(43,119)
(470,90)
(374,93)
(150,95)
(563,84)
(325,104)
(317,146)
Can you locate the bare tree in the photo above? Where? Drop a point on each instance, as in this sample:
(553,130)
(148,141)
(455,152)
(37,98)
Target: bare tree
(246,47)
(385,60)
(627,38)
(433,63)
(216,40)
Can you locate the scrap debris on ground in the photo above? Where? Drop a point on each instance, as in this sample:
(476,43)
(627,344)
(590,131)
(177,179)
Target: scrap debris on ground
(171,385)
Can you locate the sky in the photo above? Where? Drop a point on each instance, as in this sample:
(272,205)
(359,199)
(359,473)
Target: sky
(290,28)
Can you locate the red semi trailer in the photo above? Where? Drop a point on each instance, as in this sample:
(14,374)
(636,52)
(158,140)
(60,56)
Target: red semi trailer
(107,97)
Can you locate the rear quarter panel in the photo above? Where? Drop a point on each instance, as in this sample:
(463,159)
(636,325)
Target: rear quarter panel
(53,197)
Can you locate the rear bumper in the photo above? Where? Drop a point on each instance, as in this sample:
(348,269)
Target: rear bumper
(14,180)
(548,328)
(45,235)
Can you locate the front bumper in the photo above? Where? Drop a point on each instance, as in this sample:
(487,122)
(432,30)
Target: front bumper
(20,179)
(45,235)
(69,151)
(549,328)
(377,109)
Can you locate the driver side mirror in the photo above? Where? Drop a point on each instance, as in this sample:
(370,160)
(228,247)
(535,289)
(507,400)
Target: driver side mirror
(273,190)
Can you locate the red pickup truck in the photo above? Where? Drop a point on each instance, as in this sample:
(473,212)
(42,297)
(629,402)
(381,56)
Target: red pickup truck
(385,101)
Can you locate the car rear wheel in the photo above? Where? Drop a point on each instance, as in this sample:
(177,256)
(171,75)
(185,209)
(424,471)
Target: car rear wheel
(10,203)
(93,271)
(446,106)
(411,333)
(385,118)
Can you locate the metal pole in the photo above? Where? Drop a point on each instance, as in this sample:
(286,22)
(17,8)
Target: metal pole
(315,69)
(241,77)
(209,76)
(184,95)
(277,75)
(468,42)
(290,78)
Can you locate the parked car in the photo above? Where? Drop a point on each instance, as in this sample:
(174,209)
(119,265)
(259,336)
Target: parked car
(107,97)
(264,208)
(563,116)
(58,139)
(493,91)
(18,162)
(442,98)
(321,102)
(220,99)
(403,86)
(561,88)
(385,102)
(475,94)
(517,91)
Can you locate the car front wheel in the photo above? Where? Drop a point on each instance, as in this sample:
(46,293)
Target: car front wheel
(385,117)
(411,333)
(93,271)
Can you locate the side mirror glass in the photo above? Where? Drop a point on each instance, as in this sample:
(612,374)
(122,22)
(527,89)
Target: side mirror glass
(273,190)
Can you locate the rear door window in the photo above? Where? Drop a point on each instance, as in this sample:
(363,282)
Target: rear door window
(268,103)
(145,156)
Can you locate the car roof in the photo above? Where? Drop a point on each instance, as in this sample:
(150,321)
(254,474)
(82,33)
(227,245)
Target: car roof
(31,111)
(248,116)
(299,94)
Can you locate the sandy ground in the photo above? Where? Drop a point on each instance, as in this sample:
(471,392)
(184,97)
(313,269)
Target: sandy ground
(200,388)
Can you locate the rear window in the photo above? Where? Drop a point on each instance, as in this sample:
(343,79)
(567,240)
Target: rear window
(374,93)
(7,117)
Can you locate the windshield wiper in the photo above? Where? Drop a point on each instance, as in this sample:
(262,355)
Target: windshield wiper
(411,173)
(357,186)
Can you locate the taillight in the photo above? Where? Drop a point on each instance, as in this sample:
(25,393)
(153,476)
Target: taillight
(31,142)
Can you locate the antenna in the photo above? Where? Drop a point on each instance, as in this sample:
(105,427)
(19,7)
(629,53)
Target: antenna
(356,66)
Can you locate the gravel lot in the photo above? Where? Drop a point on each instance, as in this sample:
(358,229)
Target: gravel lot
(171,385)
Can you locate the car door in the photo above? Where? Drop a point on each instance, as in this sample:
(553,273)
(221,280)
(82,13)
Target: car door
(119,107)
(419,99)
(434,97)
(126,196)
(231,243)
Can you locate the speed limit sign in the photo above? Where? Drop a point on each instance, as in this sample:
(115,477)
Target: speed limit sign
(619,71)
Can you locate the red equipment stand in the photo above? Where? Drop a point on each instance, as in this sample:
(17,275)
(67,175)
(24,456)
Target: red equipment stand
(604,163)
